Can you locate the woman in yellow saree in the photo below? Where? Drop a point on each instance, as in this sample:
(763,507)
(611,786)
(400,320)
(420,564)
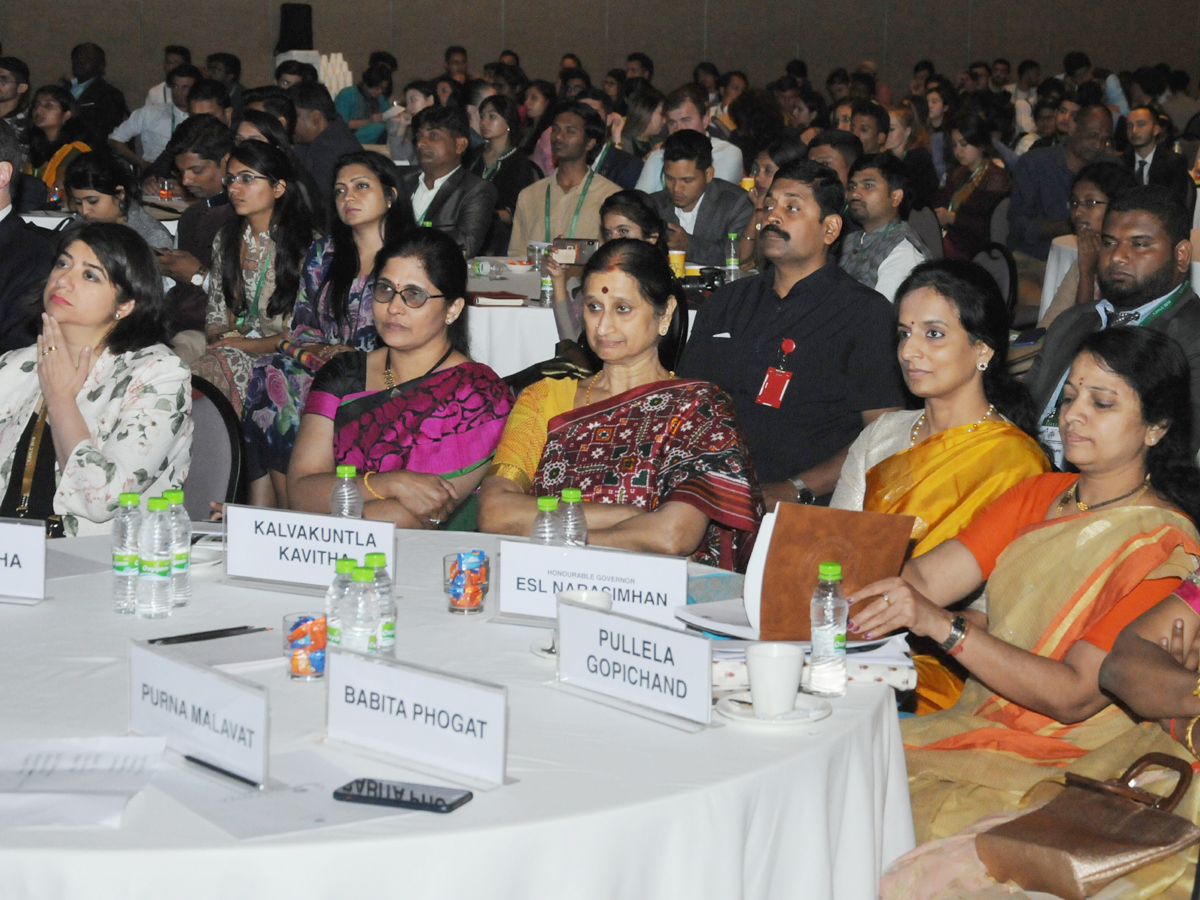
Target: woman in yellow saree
(1069,562)
(968,444)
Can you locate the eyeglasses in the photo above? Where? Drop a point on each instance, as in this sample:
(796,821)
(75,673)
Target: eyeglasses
(414,298)
(1086,204)
(243,178)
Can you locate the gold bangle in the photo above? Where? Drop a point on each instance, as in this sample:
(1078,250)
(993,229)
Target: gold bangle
(367,485)
(1188,734)
(1196,689)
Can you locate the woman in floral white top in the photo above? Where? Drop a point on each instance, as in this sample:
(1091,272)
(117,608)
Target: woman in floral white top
(100,405)
(257,259)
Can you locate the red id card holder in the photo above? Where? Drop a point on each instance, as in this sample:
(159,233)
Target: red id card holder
(775,383)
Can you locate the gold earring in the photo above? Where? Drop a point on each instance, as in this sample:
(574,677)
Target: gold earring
(663,331)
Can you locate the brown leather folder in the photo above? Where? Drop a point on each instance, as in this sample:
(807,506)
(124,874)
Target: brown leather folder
(869,545)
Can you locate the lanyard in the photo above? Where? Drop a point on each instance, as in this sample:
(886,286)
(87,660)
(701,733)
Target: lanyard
(600,157)
(35,442)
(263,264)
(587,183)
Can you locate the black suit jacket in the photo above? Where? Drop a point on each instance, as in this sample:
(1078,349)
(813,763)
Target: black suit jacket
(1170,170)
(1069,330)
(322,154)
(462,207)
(621,168)
(26,253)
(199,224)
(103,108)
(725,208)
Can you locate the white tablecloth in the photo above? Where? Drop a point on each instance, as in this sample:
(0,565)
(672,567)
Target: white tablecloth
(52,220)
(1064,251)
(605,804)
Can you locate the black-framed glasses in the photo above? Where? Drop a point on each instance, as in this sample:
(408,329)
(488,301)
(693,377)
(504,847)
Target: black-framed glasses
(414,297)
(1075,203)
(243,178)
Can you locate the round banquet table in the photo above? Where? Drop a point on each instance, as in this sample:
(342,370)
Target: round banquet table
(601,803)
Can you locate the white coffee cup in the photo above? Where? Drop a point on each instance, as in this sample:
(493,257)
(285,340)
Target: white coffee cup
(595,599)
(774,670)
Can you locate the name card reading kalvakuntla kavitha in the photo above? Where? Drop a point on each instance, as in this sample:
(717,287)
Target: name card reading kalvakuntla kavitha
(216,718)
(641,584)
(635,661)
(299,548)
(22,560)
(428,718)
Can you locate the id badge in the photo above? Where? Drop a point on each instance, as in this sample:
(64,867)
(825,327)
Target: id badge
(773,388)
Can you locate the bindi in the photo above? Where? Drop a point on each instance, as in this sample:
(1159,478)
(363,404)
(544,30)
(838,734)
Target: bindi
(604,290)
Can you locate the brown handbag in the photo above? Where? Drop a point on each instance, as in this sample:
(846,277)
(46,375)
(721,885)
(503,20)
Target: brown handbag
(1090,834)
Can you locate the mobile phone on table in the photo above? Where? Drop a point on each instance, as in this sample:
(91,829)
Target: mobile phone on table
(428,797)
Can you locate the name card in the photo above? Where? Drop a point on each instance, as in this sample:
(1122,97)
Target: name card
(299,548)
(22,560)
(213,717)
(641,585)
(635,661)
(430,718)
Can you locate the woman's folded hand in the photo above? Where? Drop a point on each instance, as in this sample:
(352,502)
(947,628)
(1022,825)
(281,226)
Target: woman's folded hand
(428,497)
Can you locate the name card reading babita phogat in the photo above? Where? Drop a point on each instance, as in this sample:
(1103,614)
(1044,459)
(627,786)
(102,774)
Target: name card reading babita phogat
(641,585)
(209,715)
(635,661)
(299,548)
(427,717)
(23,559)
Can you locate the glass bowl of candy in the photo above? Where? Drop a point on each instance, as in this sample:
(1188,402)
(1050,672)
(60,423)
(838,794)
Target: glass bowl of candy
(465,578)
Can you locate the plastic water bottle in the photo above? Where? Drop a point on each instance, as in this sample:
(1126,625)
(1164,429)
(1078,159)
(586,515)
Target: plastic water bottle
(546,297)
(827,665)
(126,525)
(333,597)
(548,526)
(181,549)
(733,262)
(359,613)
(154,562)
(386,638)
(573,520)
(347,500)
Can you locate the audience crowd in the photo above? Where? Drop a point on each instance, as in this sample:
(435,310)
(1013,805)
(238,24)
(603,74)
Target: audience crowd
(878,344)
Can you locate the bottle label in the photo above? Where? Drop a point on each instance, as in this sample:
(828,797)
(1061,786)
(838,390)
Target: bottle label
(125,563)
(387,633)
(333,630)
(828,641)
(732,262)
(183,561)
(154,568)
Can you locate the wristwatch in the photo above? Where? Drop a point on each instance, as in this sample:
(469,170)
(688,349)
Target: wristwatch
(198,278)
(803,493)
(958,631)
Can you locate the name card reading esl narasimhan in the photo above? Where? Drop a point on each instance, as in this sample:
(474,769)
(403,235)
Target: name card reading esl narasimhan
(299,548)
(635,661)
(216,718)
(22,560)
(641,585)
(426,717)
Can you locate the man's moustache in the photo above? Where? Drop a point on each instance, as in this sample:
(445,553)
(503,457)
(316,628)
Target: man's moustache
(775,229)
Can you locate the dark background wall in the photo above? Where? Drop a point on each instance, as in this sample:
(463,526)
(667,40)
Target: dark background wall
(758,36)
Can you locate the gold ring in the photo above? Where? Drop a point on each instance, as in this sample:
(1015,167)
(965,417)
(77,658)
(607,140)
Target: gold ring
(46,352)
(887,599)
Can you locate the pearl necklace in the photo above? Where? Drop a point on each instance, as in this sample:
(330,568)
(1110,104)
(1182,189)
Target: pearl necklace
(916,429)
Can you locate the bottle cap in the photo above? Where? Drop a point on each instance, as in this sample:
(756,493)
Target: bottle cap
(572,495)
(345,565)
(130,499)
(376,561)
(733,235)
(173,496)
(346,471)
(830,571)
(157,504)
(362,573)
(547,504)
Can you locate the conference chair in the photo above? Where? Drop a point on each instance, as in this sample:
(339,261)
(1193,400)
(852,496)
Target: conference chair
(998,228)
(218,454)
(998,261)
(925,223)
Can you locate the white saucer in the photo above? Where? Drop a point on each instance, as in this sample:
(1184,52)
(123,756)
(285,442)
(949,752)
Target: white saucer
(208,551)
(808,710)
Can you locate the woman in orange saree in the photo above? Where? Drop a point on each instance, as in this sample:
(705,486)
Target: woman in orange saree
(1069,561)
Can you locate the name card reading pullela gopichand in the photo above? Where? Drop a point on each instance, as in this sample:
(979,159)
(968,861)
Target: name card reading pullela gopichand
(299,548)
(637,662)
(22,560)
(428,718)
(216,718)
(641,584)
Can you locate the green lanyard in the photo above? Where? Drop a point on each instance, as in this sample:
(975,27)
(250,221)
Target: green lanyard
(587,182)
(262,276)
(600,157)
(491,170)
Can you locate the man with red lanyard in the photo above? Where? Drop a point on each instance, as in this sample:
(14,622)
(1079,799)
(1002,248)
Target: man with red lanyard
(806,352)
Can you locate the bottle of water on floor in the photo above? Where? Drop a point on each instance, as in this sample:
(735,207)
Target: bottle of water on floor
(154,561)
(548,526)
(126,525)
(347,500)
(386,639)
(181,549)
(827,665)
(333,598)
(573,519)
(359,613)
